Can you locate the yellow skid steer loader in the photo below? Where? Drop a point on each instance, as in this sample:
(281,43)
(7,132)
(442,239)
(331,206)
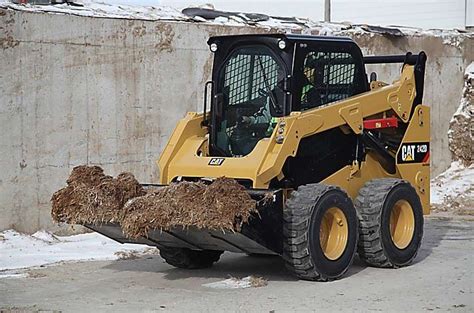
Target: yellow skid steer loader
(344,158)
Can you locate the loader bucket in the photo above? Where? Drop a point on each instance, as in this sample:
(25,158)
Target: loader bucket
(262,234)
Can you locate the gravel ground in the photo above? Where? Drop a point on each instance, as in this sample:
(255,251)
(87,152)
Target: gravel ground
(440,280)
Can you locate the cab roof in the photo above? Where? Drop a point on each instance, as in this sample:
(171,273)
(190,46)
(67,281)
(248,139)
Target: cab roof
(289,37)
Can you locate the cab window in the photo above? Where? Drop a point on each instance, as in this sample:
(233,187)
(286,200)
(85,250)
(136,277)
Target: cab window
(250,85)
(327,77)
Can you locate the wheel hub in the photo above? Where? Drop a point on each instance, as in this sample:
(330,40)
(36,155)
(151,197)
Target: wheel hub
(402,224)
(333,233)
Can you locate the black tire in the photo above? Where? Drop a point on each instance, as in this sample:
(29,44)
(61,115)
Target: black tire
(302,219)
(374,206)
(189,259)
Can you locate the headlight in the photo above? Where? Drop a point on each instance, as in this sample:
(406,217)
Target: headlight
(281,44)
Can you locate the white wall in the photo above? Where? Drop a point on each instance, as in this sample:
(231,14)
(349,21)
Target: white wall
(469,13)
(417,13)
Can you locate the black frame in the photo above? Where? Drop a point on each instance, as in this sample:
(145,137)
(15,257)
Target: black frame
(290,56)
(418,60)
(226,47)
(342,46)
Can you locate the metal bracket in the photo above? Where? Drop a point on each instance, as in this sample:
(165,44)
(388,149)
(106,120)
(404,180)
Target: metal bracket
(353,117)
(355,167)
(376,84)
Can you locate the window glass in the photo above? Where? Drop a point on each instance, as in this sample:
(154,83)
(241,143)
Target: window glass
(249,83)
(327,77)
(245,72)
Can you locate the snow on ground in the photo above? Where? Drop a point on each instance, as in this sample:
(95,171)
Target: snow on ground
(19,251)
(236,283)
(112,9)
(456,180)
(453,190)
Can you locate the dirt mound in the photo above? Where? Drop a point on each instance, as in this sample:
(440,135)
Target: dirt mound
(224,204)
(461,129)
(93,197)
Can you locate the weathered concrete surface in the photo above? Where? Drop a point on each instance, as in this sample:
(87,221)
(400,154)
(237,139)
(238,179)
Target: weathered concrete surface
(77,90)
(441,280)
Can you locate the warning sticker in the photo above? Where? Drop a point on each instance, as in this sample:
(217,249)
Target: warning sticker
(414,152)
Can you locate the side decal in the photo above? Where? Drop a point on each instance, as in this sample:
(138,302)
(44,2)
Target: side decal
(414,152)
(216,161)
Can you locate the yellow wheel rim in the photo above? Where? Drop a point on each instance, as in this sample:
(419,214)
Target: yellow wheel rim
(402,224)
(333,233)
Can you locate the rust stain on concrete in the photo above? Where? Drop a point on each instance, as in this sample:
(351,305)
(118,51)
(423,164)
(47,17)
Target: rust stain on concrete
(6,30)
(166,34)
(139,31)
(206,70)
(8,42)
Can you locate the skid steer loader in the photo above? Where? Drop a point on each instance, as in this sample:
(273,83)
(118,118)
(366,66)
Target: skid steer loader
(344,158)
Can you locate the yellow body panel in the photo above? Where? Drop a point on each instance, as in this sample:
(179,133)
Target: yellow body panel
(418,174)
(351,183)
(187,151)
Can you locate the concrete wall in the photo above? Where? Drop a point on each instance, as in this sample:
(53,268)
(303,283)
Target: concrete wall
(77,90)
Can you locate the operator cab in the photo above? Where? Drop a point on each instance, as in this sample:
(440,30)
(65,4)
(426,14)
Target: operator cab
(257,78)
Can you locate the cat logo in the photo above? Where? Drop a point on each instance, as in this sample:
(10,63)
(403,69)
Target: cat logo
(414,152)
(408,153)
(216,161)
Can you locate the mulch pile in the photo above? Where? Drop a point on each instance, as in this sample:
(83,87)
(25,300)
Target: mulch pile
(224,204)
(95,198)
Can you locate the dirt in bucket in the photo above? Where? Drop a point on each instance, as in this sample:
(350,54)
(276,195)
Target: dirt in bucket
(93,197)
(224,205)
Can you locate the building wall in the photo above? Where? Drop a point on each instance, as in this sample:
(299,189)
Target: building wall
(80,90)
(426,14)
(470,14)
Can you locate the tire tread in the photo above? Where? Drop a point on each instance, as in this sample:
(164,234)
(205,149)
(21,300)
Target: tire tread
(369,206)
(296,220)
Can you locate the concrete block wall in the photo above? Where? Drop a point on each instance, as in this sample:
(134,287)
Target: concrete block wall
(81,90)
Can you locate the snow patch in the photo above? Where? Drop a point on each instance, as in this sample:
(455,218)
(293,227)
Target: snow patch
(20,251)
(236,283)
(45,236)
(12,274)
(456,180)
(93,8)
